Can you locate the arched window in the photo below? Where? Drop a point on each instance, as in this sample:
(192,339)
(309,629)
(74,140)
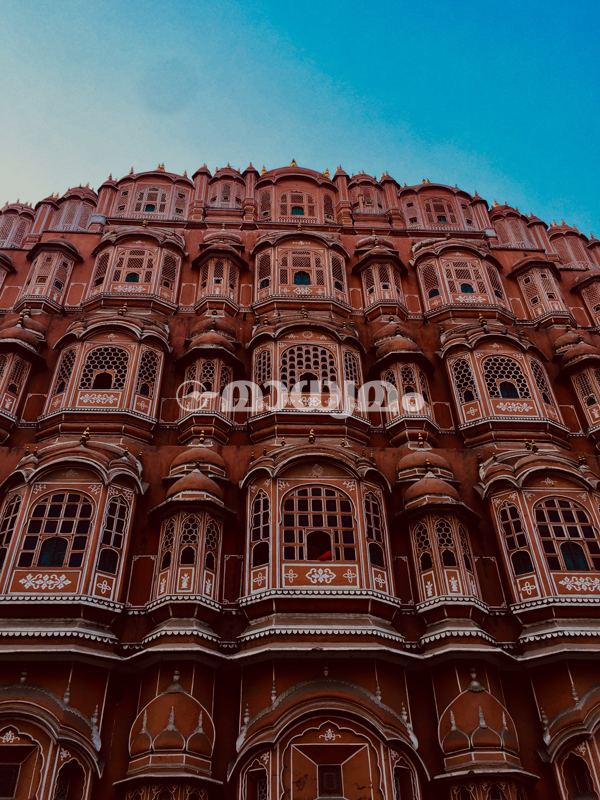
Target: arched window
(301,278)
(108,561)
(351,369)
(301,358)
(188,540)
(64,515)
(439,211)
(423,546)
(465,276)
(541,382)
(324,512)
(106,365)
(496,793)
(297,204)
(515,538)
(578,778)
(445,542)
(151,200)
(70,782)
(588,393)
(261,520)
(65,370)
(338,273)
(147,373)
(504,378)
(464,380)
(7,526)
(260,554)
(430,280)
(115,522)
(212,537)
(134,266)
(166,550)
(295,265)
(263,370)
(569,539)
(265,204)
(264,271)
(328,207)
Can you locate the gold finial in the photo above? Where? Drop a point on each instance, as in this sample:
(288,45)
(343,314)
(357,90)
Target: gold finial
(326,173)
(122,310)
(250,166)
(475,193)
(372,457)
(87,186)
(265,320)
(293,164)
(534,447)
(201,437)
(185,173)
(145,223)
(421,441)
(303,313)
(496,204)
(344,443)
(263,170)
(527,444)
(311,436)
(160,168)
(423,181)
(27,450)
(554,225)
(131,171)
(223,227)
(264,451)
(282,438)
(252,456)
(299,226)
(562,222)
(27,312)
(428,181)
(582,460)
(110,177)
(20,322)
(482,322)
(85,436)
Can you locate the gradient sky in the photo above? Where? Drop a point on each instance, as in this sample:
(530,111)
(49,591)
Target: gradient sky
(500,97)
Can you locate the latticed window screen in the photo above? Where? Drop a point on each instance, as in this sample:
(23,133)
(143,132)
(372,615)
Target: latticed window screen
(212,537)
(517,230)
(337,273)
(134,266)
(65,370)
(330,781)
(495,282)
(465,547)
(6,226)
(515,538)
(170,266)
(151,200)
(498,370)
(263,367)
(373,518)
(423,546)
(3,363)
(225,378)
(568,537)
(9,776)
(307,358)
(464,380)
(207,375)
(578,251)
(147,373)
(328,207)
(430,280)
(7,526)
(265,204)
(586,389)
(101,269)
(541,382)
(168,540)
(464,277)
(539,286)
(436,207)
(502,231)
(188,540)
(445,541)
(592,296)
(297,204)
(262,791)
(111,360)
(302,268)
(264,271)
(115,520)
(58,528)
(560,247)
(260,527)
(17,376)
(325,512)
(13,230)
(351,368)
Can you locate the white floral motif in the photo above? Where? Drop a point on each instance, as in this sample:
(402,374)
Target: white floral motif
(518,407)
(185,580)
(104,586)
(9,737)
(208,584)
(350,575)
(320,575)
(307,334)
(163,585)
(95,488)
(102,399)
(583,495)
(472,411)
(259,578)
(549,482)
(41,581)
(380,581)
(330,735)
(282,484)
(39,487)
(349,485)
(527,588)
(581,748)
(454,585)
(290,575)
(64,754)
(580,584)
(429,589)
(317,471)
(71,473)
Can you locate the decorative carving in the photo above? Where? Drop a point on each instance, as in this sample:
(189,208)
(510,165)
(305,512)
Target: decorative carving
(320,575)
(41,581)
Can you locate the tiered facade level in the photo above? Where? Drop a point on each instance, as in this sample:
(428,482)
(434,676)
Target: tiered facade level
(320,594)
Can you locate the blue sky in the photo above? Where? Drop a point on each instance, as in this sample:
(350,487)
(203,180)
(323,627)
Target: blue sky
(498,97)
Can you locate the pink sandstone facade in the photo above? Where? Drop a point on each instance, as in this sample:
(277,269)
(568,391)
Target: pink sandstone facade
(203,601)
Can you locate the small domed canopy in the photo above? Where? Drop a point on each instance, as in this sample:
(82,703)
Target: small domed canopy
(219,324)
(21,334)
(399,344)
(195,483)
(391,329)
(476,720)
(173,722)
(6,263)
(568,338)
(212,339)
(198,455)
(419,458)
(62,245)
(579,353)
(430,489)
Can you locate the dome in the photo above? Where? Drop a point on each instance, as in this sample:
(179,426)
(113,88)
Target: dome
(579,351)
(399,344)
(430,487)
(391,329)
(566,339)
(199,455)
(219,324)
(173,721)
(476,720)
(22,334)
(419,458)
(196,482)
(64,243)
(212,339)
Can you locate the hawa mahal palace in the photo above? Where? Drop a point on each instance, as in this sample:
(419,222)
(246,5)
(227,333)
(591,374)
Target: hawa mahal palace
(310,595)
